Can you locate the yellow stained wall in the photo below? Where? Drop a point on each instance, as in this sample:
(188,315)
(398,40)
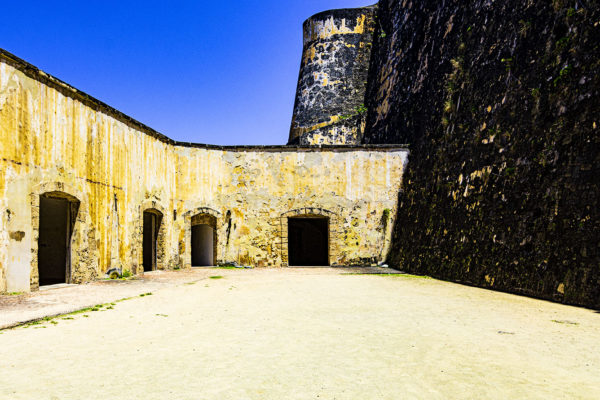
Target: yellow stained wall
(53,142)
(257,187)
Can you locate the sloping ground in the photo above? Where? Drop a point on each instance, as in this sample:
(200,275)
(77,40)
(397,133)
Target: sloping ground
(20,308)
(308,334)
(499,102)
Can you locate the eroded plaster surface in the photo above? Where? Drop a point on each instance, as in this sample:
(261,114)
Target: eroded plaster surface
(55,139)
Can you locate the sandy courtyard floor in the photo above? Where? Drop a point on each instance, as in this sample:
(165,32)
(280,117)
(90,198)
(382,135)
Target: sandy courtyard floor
(309,334)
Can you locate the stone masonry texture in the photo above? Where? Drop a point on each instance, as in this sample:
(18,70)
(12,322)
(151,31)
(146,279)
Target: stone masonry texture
(55,139)
(499,102)
(329,107)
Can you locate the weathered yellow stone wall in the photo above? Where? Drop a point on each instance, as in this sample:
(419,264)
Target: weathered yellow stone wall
(260,189)
(51,141)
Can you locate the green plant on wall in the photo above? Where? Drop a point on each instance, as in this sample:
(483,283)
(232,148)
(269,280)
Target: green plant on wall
(385,217)
(562,43)
(508,62)
(564,72)
(524,27)
(358,110)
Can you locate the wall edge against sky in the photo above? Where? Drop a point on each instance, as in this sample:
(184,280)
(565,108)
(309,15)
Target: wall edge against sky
(39,75)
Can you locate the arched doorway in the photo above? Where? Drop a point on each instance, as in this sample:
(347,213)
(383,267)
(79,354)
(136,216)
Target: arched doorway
(151,228)
(57,216)
(204,240)
(308,240)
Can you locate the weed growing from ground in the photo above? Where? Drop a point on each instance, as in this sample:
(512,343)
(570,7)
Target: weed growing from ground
(69,316)
(565,322)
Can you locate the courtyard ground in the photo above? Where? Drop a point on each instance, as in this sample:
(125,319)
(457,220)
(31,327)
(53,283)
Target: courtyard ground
(297,334)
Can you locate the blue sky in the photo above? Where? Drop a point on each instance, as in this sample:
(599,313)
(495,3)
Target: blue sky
(219,72)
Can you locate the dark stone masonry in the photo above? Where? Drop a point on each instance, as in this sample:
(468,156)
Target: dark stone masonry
(499,102)
(329,106)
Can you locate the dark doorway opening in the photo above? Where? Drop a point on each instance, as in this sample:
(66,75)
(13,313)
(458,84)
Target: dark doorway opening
(203,237)
(204,240)
(152,220)
(57,218)
(308,242)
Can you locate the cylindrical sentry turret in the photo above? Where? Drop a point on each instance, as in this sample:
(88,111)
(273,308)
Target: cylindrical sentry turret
(329,107)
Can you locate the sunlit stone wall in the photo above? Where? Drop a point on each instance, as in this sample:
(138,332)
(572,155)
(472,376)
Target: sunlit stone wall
(54,138)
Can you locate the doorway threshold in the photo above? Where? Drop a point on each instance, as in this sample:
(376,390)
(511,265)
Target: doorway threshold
(56,286)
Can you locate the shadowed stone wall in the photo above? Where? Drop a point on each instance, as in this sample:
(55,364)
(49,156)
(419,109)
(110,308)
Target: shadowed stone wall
(499,102)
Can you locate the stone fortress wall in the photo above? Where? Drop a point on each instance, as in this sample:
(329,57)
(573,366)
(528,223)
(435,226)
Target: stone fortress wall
(59,141)
(329,106)
(499,103)
(501,191)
